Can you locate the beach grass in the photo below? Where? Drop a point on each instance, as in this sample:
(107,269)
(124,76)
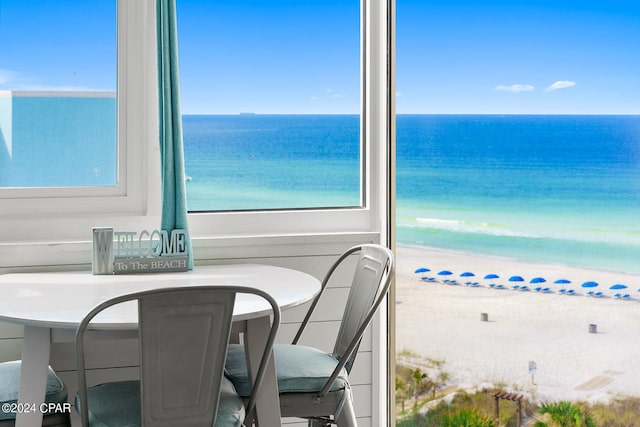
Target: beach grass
(478,409)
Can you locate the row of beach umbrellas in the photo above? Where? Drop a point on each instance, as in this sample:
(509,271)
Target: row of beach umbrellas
(516,278)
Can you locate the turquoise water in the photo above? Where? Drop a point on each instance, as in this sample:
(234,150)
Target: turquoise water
(563,189)
(58,141)
(271,162)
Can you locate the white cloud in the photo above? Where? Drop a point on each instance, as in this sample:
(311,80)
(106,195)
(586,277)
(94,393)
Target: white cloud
(328,94)
(515,88)
(332,94)
(398,94)
(6,76)
(560,84)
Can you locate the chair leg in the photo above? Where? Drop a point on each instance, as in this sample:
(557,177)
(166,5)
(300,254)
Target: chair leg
(347,417)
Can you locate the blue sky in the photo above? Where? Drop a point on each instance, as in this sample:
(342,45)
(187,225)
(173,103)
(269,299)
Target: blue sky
(57,44)
(292,56)
(518,56)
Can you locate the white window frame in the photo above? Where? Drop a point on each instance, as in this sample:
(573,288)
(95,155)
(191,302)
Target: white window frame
(373,138)
(63,214)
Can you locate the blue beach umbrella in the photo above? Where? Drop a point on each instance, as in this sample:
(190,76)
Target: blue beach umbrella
(618,286)
(495,276)
(562,281)
(589,284)
(516,279)
(538,280)
(445,273)
(467,274)
(422,270)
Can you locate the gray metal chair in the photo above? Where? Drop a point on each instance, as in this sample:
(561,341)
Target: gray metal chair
(313,384)
(56,393)
(184,333)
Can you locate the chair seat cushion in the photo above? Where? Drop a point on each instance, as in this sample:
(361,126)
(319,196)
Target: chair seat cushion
(300,369)
(10,385)
(118,404)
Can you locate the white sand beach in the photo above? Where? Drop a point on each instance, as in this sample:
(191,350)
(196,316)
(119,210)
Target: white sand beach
(441,321)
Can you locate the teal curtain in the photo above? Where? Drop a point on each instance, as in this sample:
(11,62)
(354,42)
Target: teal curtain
(174,198)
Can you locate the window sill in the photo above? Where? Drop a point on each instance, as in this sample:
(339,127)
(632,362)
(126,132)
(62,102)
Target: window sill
(39,256)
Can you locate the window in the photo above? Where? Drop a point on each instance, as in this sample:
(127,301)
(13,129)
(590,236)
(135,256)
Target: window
(271,103)
(64,132)
(58,139)
(518,187)
(323,65)
(354,97)
(58,106)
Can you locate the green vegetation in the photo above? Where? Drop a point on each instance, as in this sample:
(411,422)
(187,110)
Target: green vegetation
(466,410)
(466,418)
(418,379)
(620,412)
(563,414)
(421,384)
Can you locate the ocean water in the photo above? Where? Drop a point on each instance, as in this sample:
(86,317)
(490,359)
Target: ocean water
(239,162)
(51,140)
(561,189)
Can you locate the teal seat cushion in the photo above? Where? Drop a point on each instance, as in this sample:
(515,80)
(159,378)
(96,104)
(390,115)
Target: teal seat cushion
(118,404)
(10,385)
(300,369)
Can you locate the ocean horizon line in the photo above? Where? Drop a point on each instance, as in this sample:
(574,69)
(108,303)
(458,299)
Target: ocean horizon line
(252,114)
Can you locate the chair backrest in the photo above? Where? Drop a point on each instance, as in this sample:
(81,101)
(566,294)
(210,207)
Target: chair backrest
(184,334)
(371,281)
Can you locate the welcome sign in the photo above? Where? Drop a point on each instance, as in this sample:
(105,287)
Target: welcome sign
(130,252)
